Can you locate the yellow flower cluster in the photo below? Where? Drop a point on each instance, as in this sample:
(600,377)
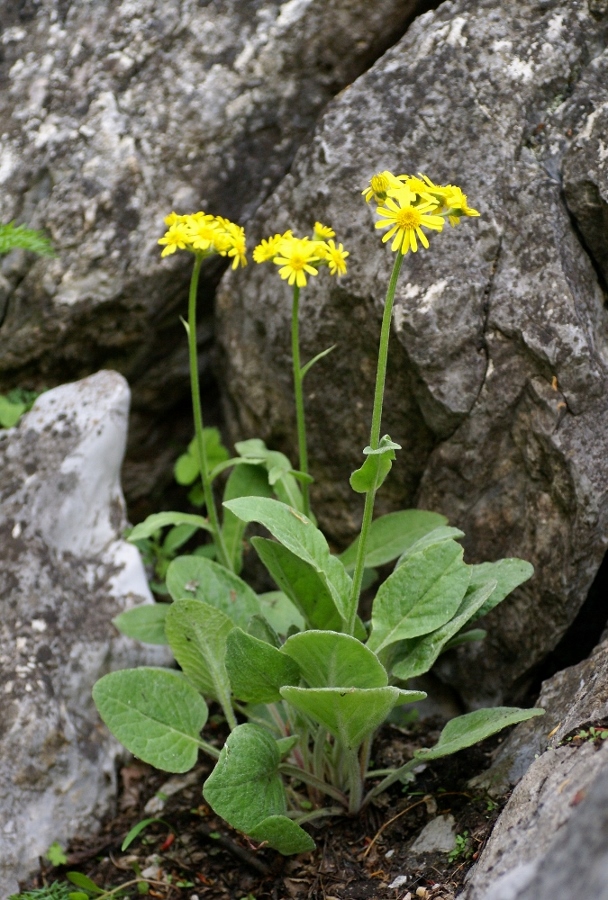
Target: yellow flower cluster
(407,204)
(204,234)
(299,257)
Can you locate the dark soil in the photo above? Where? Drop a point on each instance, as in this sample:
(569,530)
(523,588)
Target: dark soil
(193,855)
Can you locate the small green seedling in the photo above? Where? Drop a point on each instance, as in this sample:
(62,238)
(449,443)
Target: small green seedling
(462,849)
(55,855)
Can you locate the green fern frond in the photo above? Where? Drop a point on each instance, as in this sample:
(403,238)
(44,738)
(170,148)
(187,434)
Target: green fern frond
(13,236)
(58,890)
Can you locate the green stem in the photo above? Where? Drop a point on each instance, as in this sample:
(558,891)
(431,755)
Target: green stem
(209,749)
(313,781)
(395,775)
(300,818)
(355,782)
(198,418)
(299,397)
(374,439)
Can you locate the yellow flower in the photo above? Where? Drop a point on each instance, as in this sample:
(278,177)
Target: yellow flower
(457,204)
(322,232)
(405,221)
(381,184)
(203,230)
(238,248)
(267,249)
(296,257)
(336,258)
(177,237)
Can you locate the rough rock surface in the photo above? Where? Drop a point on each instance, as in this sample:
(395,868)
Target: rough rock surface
(498,380)
(113,113)
(64,573)
(542,805)
(573,699)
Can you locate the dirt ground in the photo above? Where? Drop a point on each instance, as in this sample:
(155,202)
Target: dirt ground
(193,855)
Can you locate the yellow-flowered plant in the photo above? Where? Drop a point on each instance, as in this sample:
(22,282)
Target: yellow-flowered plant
(314,681)
(204,235)
(298,259)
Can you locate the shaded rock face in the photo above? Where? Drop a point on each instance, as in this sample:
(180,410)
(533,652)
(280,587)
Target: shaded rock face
(114,113)
(65,571)
(499,366)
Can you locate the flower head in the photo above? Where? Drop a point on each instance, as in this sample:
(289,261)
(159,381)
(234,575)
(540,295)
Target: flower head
(380,185)
(335,256)
(322,232)
(204,235)
(296,257)
(266,250)
(405,218)
(457,205)
(177,237)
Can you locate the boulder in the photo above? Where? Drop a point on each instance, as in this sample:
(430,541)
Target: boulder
(65,571)
(111,115)
(498,371)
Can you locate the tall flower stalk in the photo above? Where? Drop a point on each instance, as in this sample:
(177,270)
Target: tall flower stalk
(203,235)
(298,258)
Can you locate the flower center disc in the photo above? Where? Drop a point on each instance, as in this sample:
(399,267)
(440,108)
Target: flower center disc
(408,218)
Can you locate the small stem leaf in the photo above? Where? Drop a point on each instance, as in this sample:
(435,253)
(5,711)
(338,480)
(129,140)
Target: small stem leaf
(419,596)
(298,534)
(376,467)
(437,536)
(82,881)
(464,731)
(144,623)
(284,835)
(328,659)
(350,714)
(508,573)
(197,578)
(148,527)
(197,634)
(389,536)
(416,656)
(245,786)
(305,369)
(301,583)
(155,713)
(256,669)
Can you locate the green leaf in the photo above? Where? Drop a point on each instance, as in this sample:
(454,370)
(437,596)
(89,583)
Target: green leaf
(194,577)
(376,467)
(243,481)
(349,713)
(301,583)
(197,634)
(298,534)
(466,637)
(279,469)
(464,731)
(245,786)
(19,236)
(287,744)
(10,412)
(311,362)
(420,596)
(155,713)
(436,536)
(280,612)
(186,469)
(328,659)
(137,829)
(55,854)
(177,537)
(144,623)
(151,525)
(284,835)
(416,656)
(259,628)
(82,881)
(256,669)
(389,536)
(508,573)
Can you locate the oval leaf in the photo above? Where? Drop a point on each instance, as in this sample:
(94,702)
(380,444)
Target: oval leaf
(197,578)
(389,536)
(256,669)
(464,731)
(152,524)
(284,835)
(144,623)
(197,634)
(328,659)
(155,713)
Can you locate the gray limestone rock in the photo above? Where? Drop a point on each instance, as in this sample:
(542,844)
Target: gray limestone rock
(114,113)
(538,837)
(438,836)
(498,372)
(65,571)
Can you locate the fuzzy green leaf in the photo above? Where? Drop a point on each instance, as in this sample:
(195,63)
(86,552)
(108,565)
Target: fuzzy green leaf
(389,536)
(328,659)
(155,713)
(376,467)
(508,573)
(464,731)
(256,669)
(243,481)
(437,536)
(144,623)
(245,786)
(152,524)
(194,577)
(10,412)
(349,713)
(280,612)
(197,634)
(298,534)
(284,835)
(419,596)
